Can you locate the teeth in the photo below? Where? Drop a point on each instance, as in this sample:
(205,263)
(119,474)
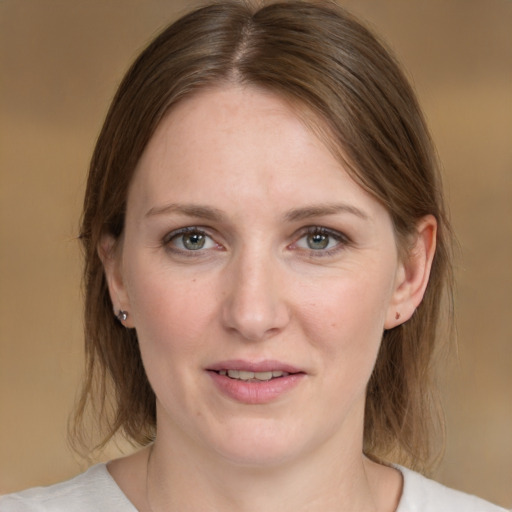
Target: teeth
(263,375)
(252,376)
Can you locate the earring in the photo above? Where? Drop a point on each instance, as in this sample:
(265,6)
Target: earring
(122,315)
(397,316)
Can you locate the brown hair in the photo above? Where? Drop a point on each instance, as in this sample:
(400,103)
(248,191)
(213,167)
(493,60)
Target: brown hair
(317,56)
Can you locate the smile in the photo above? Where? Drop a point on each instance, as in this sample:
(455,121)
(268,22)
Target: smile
(252,376)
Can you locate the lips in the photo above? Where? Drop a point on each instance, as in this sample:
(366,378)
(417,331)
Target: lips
(256,367)
(254,383)
(253,376)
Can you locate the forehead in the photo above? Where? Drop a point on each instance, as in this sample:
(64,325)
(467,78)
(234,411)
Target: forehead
(229,114)
(237,138)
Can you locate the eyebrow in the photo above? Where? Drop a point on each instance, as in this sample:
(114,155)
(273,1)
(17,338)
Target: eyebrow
(323,209)
(191,210)
(216,215)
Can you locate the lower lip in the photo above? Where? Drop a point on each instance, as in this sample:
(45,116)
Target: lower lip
(255,392)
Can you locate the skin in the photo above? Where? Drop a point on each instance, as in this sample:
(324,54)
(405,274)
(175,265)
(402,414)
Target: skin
(299,266)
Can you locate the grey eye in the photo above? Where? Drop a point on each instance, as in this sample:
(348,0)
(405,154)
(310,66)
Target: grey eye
(321,240)
(193,241)
(189,239)
(317,241)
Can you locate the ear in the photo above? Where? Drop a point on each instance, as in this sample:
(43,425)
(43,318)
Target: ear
(110,255)
(413,273)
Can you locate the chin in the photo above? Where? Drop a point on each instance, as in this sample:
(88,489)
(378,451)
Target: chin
(261,444)
(257,455)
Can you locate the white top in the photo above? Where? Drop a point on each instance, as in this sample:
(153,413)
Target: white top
(96,491)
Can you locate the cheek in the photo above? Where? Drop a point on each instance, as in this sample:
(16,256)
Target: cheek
(344,327)
(171,315)
(169,310)
(346,316)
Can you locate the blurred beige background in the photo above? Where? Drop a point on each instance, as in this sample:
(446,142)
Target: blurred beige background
(60,62)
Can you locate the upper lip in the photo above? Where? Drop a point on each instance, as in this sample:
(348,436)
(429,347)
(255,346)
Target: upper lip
(252,366)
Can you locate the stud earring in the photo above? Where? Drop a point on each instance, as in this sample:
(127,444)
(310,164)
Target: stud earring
(397,316)
(122,315)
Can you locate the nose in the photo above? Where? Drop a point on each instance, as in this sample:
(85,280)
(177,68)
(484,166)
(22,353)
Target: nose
(255,306)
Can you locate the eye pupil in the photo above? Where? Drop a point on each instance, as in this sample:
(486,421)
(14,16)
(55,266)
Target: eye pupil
(193,241)
(318,241)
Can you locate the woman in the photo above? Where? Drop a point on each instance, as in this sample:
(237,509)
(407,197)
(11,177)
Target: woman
(267,255)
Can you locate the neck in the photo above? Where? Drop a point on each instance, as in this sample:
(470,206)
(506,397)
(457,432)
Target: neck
(178,482)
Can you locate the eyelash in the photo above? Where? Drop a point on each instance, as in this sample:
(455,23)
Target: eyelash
(341,239)
(175,235)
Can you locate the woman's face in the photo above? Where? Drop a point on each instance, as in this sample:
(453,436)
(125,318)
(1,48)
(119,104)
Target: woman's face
(259,277)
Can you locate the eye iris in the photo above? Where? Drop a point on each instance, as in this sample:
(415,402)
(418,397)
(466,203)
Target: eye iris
(318,241)
(193,241)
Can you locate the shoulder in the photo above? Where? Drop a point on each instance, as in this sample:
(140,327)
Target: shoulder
(95,490)
(421,494)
